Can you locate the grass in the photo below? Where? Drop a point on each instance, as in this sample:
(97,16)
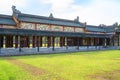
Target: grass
(97,65)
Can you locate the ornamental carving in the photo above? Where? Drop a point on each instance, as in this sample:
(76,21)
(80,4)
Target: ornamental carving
(43,27)
(27,26)
(56,28)
(79,30)
(69,29)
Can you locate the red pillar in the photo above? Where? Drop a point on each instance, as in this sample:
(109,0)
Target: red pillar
(28,41)
(34,41)
(16,41)
(53,43)
(49,41)
(40,41)
(61,41)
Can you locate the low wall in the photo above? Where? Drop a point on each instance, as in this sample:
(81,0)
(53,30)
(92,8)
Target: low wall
(45,50)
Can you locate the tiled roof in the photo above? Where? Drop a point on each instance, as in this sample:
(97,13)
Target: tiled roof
(48,20)
(6,19)
(99,28)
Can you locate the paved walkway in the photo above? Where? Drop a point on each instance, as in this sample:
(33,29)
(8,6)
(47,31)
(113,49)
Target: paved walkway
(43,50)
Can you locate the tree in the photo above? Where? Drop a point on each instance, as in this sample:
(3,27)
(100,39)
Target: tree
(119,26)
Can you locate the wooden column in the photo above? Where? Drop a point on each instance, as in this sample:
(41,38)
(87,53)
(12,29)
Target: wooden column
(95,42)
(16,41)
(34,41)
(0,44)
(28,41)
(40,41)
(78,43)
(53,43)
(4,41)
(49,41)
(105,41)
(118,39)
(108,42)
(19,39)
(88,42)
(61,41)
(66,42)
(1,41)
(81,42)
(37,41)
(11,41)
(113,41)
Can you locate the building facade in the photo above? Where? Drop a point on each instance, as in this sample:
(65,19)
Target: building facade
(25,30)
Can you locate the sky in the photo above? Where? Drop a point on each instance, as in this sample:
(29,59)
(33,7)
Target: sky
(94,12)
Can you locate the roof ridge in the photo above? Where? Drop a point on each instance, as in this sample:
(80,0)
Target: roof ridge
(45,17)
(5,16)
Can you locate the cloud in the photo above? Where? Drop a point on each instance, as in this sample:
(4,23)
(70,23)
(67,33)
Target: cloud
(5,5)
(102,11)
(97,12)
(94,12)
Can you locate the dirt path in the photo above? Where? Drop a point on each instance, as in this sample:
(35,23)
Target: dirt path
(27,67)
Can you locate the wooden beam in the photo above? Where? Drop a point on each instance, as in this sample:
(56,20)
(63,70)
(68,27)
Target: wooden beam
(16,21)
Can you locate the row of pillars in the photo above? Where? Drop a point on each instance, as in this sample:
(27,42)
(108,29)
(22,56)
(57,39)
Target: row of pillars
(37,41)
(24,41)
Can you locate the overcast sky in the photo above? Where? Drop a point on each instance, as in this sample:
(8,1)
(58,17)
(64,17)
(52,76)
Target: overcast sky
(93,12)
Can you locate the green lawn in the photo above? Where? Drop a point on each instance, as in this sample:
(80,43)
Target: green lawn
(97,65)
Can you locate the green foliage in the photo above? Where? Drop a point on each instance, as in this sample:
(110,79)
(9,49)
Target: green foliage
(68,66)
(119,26)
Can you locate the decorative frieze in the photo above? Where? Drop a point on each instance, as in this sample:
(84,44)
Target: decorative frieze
(79,30)
(57,28)
(27,26)
(43,27)
(69,29)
